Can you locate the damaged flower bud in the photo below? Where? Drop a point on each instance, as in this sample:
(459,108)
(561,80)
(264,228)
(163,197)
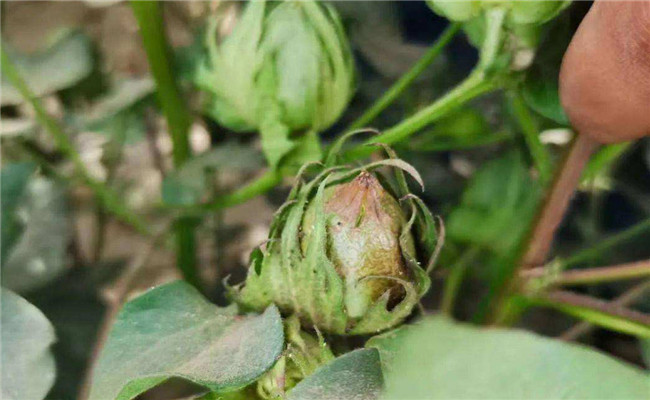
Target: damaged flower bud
(364,228)
(341,254)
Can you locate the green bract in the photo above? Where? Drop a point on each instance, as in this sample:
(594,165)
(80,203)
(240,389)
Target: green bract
(522,21)
(285,69)
(302,355)
(341,253)
(520,12)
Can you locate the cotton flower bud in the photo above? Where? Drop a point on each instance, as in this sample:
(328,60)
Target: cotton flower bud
(519,12)
(286,68)
(342,255)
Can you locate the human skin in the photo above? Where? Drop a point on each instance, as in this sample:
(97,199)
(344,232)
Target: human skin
(605,74)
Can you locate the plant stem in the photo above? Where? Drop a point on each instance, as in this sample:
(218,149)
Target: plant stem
(611,273)
(627,298)
(473,86)
(539,153)
(108,199)
(597,249)
(480,81)
(455,278)
(407,79)
(186,259)
(150,21)
(261,185)
(596,311)
(556,203)
(551,212)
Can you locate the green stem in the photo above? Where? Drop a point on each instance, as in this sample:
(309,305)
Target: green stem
(255,188)
(473,86)
(627,298)
(455,278)
(109,199)
(539,153)
(150,21)
(479,81)
(407,79)
(596,311)
(179,119)
(592,252)
(186,250)
(493,39)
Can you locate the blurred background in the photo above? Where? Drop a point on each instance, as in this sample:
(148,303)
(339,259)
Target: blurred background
(85,60)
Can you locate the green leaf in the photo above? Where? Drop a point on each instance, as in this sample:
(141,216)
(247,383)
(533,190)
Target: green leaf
(355,375)
(38,231)
(176,191)
(172,331)
(540,91)
(603,160)
(441,359)
(645,351)
(120,113)
(13,181)
(67,61)
(248,393)
(463,127)
(496,207)
(187,185)
(27,363)
(540,86)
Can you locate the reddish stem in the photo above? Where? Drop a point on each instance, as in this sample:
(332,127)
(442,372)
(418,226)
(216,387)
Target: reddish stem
(549,217)
(623,300)
(610,273)
(554,207)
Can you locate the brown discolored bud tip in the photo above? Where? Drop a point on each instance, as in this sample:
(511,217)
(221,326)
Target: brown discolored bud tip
(364,235)
(605,75)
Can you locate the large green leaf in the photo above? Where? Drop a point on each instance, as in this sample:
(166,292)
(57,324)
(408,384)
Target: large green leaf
(441,359)
(67,61)
(355,375)
(172,331)
(27,363)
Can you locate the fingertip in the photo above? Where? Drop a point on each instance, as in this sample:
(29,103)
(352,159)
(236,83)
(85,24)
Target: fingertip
(605,73)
